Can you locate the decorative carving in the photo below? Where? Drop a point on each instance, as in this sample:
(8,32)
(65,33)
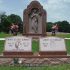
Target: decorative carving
(34,20)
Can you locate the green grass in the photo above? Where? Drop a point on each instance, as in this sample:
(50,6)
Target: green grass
(1,46)
(68,46)
(62,35)
(3,35)
(35,46)
(56,67)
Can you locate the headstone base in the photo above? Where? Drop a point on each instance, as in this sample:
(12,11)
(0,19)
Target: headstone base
(16,53)
(30,34)
(53,53)
(35,36)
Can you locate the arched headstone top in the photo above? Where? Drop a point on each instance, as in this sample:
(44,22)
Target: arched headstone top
(34,19)
(34,4)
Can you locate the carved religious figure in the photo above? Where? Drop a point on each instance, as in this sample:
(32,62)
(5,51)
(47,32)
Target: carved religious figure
(34,21)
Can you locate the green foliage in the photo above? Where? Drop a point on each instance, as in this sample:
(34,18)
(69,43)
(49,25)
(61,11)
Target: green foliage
(4,25)
(6,22)
(49,26)
(63,26)
(14,19)
(50,67)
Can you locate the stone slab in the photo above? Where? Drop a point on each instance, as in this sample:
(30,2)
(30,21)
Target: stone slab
(52,44)
(18,44)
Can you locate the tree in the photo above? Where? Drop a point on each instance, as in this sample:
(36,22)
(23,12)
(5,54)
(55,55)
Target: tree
(64,26)
(49,26)
(16,20)
(1,15)
(5,24)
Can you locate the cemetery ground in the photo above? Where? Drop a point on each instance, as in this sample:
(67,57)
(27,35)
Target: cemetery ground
(35,48)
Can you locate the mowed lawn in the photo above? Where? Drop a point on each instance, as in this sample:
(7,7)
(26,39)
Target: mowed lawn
(56,67)
(3,35)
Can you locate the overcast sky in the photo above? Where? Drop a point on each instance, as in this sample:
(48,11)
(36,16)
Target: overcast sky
(57,10)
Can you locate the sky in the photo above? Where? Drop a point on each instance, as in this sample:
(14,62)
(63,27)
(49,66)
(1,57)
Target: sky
(57,10)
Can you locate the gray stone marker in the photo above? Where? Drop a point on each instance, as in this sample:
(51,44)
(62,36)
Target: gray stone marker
(18,44)
(52,44)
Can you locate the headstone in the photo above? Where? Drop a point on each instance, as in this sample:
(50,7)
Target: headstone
(34,20)
(52,46)
(18,44)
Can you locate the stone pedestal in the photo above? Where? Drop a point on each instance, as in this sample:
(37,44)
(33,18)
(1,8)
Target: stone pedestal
(17,53)
(62,53)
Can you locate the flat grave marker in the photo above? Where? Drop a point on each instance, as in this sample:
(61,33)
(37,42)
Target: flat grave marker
(52,44)
(18,44)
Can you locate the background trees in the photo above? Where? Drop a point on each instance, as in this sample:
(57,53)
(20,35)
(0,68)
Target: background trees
(6,22)
(16,20)
(63,26)
(49,26)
